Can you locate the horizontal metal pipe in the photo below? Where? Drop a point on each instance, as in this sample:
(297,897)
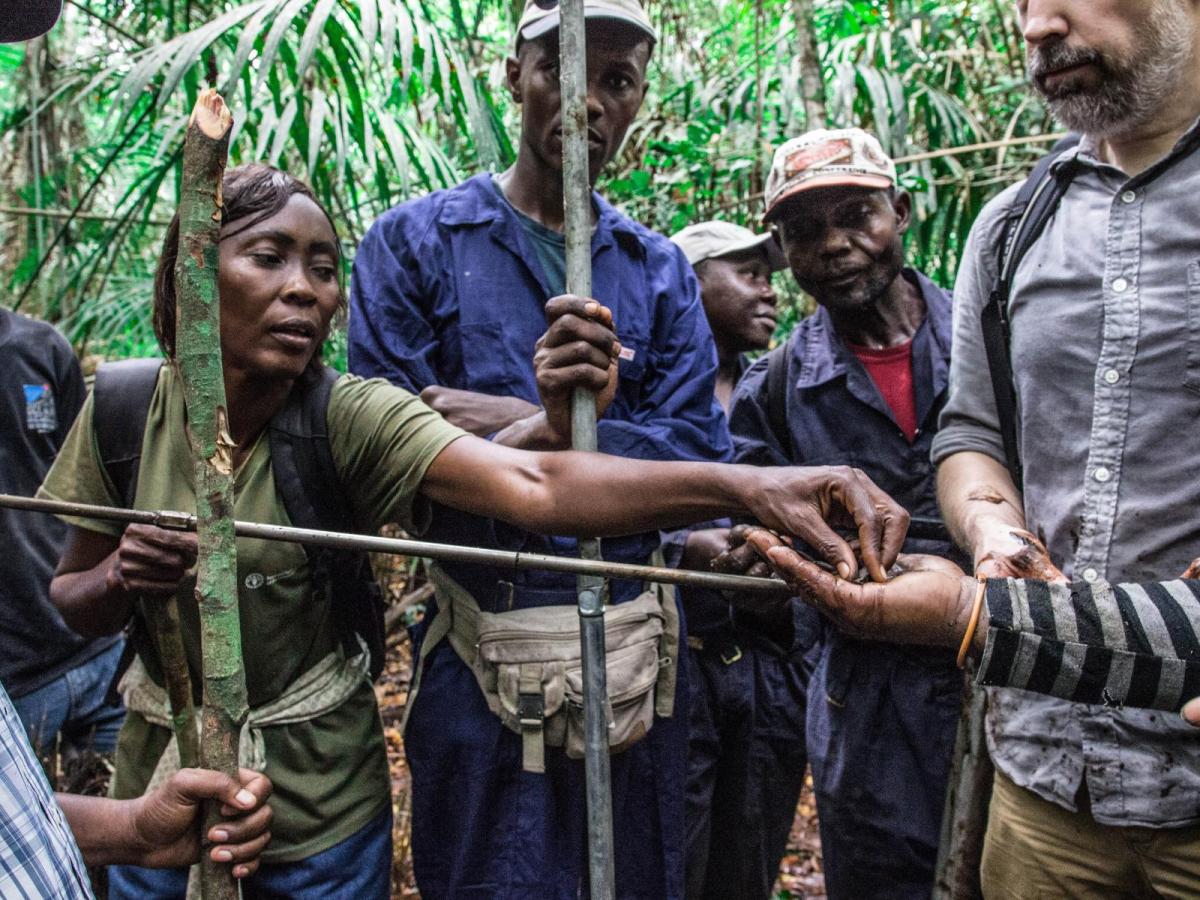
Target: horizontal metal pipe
(177,521)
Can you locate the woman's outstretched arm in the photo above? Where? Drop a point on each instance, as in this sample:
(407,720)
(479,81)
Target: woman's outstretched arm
(567,492)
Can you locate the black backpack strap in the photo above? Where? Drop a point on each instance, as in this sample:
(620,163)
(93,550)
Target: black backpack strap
(1035,203)
(121,399)
(299,438)
(121,403)
(777,394)
(311,490)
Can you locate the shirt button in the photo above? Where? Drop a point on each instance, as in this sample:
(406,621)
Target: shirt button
(1120,285)
(1128,197)
(1102,474)
(1112,376)
(1091,576)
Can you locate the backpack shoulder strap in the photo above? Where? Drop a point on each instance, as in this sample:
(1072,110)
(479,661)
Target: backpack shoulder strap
(777,393)
(1024,222)
(122,394)
(121,398)
(312,493)
(305,474)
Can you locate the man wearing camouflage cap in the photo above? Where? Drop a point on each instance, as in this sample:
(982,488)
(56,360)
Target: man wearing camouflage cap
(861,382)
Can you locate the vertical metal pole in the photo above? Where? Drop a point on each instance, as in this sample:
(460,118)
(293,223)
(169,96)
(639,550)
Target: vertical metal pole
(577,203)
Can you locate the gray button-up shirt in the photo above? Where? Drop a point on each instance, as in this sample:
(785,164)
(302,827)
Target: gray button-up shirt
(1105,312)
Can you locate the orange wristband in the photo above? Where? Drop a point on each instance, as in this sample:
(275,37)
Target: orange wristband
(972,623)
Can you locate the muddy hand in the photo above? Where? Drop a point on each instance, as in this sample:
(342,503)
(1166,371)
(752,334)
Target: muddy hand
(1016,553)
(1192,571)
(702,546)
(578,350)
(739,557)
(929,602)
(811,503)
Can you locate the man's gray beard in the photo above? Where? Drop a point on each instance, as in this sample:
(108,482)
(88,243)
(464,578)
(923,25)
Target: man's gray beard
(1131,91)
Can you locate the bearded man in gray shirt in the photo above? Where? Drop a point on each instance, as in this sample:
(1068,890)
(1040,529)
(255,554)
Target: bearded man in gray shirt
(1105,347)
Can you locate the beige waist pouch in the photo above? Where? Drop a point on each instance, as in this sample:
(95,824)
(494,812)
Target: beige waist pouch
(528,665)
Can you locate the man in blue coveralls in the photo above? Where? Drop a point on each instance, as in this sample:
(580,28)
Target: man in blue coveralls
(865,379)
(451,296)
(746,753)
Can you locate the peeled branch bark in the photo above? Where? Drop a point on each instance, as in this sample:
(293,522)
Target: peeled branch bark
(198,357)
(812,83)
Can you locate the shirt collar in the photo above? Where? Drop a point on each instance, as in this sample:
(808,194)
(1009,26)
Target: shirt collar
(743,363)
(1086,153)
(823,356)
(475,202)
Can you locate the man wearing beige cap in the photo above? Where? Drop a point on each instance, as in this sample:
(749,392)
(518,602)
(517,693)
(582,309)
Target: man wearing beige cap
(746,754)
(861,382)
(451,297)
(734,267)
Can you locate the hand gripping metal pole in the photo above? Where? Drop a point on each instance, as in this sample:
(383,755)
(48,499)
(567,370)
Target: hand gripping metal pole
(577,208)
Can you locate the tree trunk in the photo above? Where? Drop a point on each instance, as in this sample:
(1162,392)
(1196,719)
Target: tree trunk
(812,83)
(198,356)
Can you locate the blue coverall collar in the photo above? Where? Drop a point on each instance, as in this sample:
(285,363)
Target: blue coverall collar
(478,202)
(820,356)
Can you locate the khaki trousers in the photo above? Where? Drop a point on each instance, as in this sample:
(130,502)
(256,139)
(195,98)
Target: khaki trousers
(1035,849)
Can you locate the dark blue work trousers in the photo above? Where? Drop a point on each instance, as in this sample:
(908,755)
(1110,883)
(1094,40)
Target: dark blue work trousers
(746,763)
(881,728)
(484,829)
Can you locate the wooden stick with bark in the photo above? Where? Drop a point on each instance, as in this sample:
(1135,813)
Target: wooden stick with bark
(179,682)
(198,356)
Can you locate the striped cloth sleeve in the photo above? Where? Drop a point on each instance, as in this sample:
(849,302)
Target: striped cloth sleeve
(1117,645)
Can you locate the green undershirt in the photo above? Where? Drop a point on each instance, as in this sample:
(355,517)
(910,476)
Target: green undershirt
(549,246)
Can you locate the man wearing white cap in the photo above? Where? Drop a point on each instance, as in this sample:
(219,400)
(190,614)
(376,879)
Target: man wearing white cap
(746,751)
(734,267)
(451,297)
(861,383)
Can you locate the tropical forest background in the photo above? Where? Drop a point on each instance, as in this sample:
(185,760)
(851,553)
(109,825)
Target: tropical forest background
(376,101)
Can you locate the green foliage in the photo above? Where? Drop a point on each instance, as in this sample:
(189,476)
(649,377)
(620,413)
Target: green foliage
(377,101)
(922,75)
(11,57)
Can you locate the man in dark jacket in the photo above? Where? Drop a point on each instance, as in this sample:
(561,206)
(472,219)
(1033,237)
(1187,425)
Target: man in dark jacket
(746,754)
(864,380)
(58,680)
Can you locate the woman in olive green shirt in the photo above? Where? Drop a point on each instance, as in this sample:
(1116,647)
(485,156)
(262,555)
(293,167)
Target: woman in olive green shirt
(280,289)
